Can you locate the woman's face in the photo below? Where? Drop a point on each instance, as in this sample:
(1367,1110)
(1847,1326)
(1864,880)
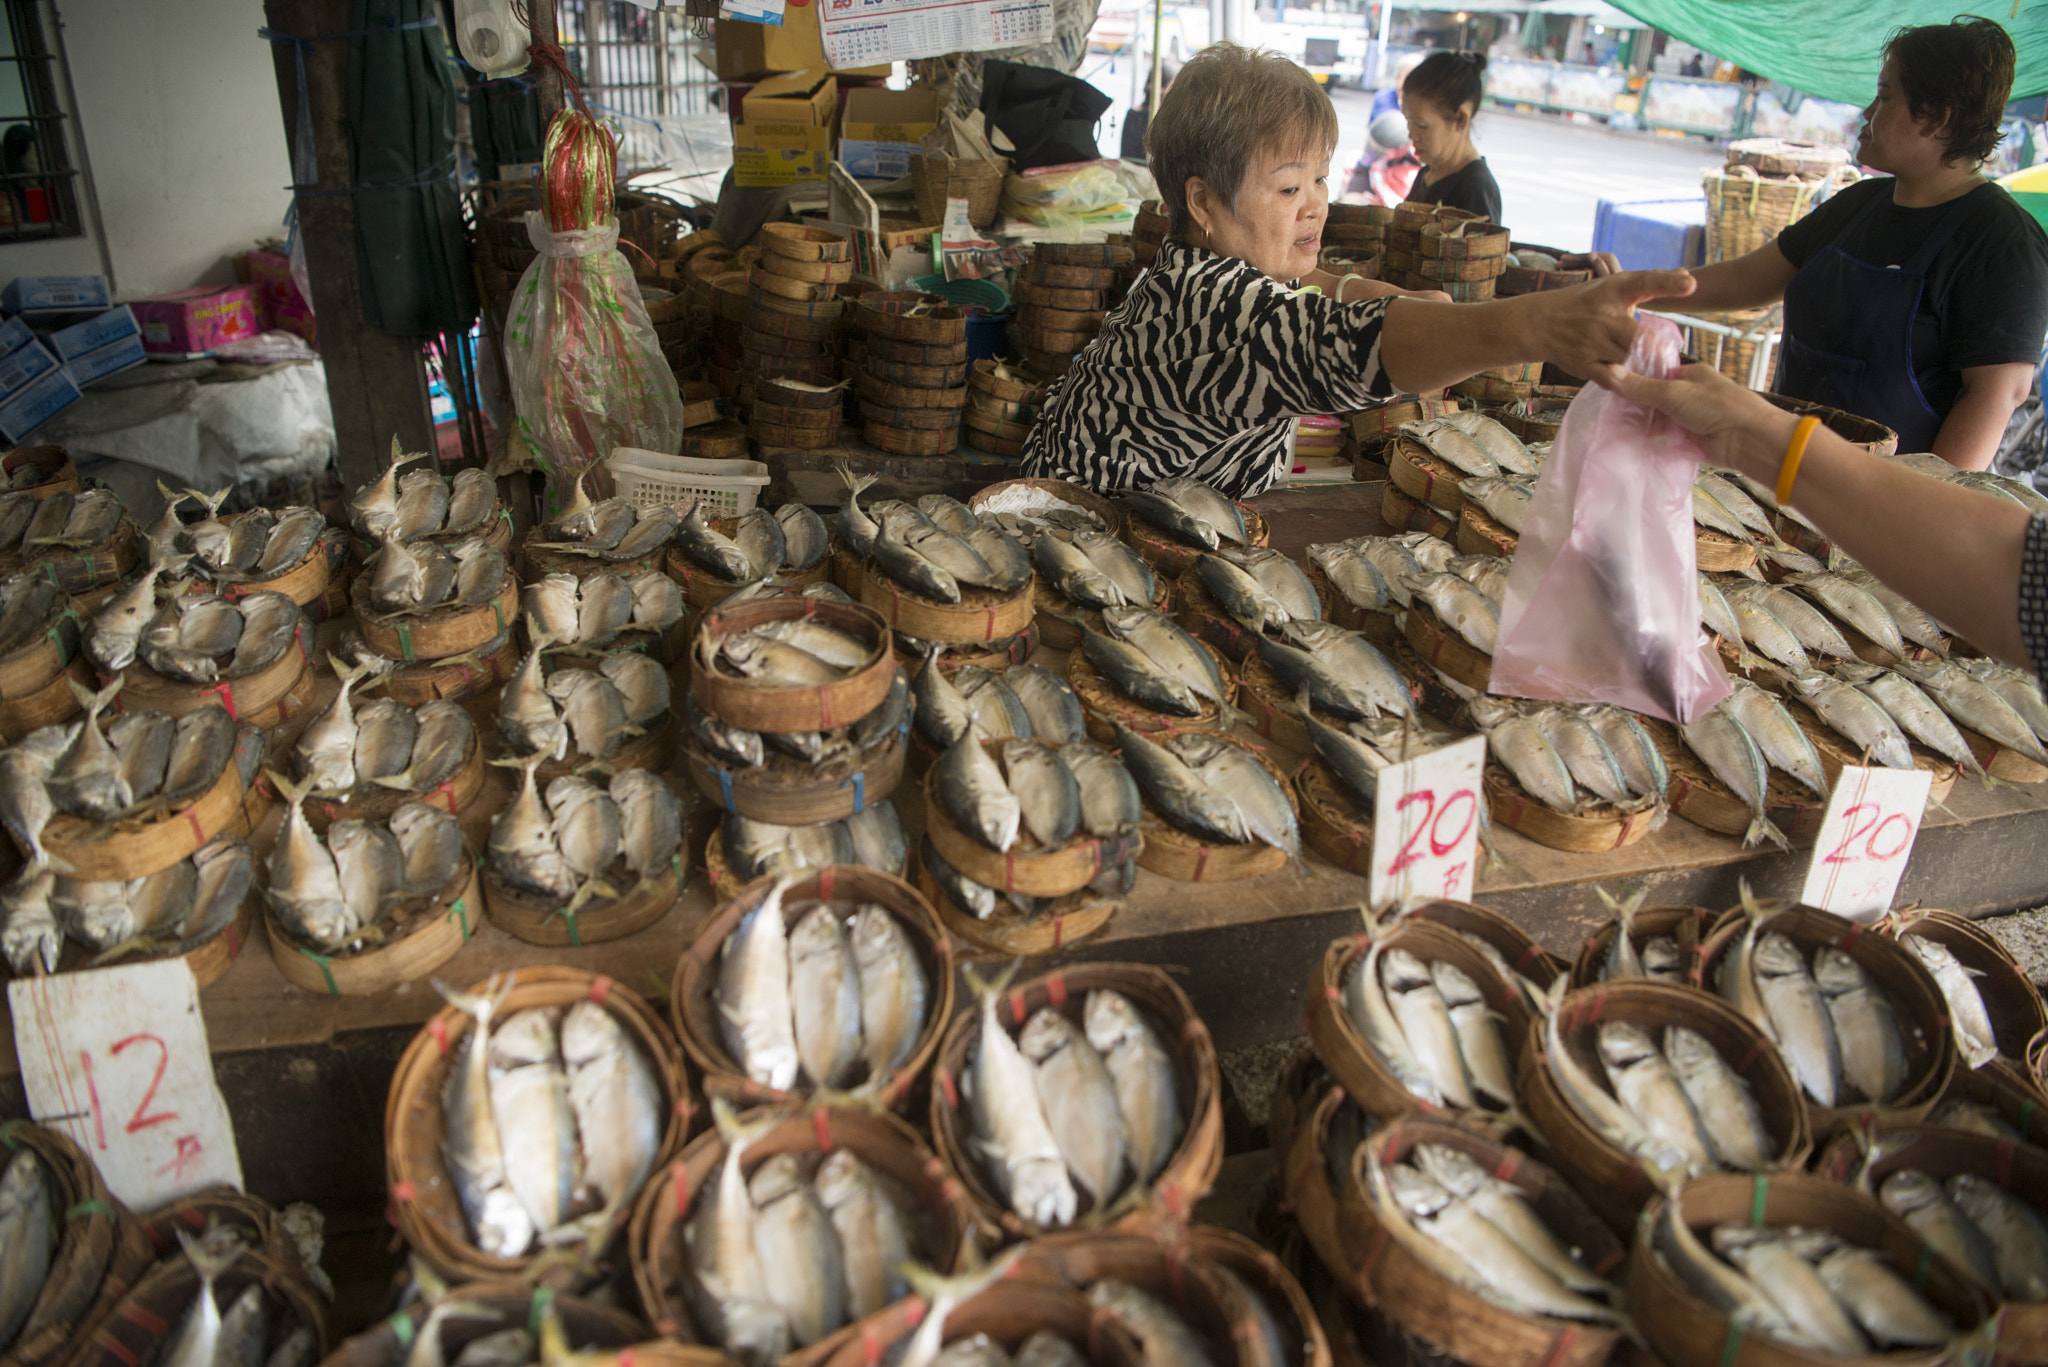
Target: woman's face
(1436,135)
(1891,140)
(1277,222)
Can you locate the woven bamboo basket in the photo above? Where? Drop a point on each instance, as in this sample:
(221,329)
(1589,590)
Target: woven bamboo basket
(1600,826)
(491,665)
(424,1204)
(1302,1339)
(1444,648)
(374,802)
(138,847)
(1375,625)
(1104,707)
(1027,867)
(1405,514)
(451,629)
(1897,971)
(1274,709)
(980,615)
(1335,823)
(30,668)
(1449,1316)
(978,180)
(1611,1179)
(535,559)
(592,1329)
(791,792)
(1703,799)
(1337,1039)
(1308,1187)
(76,571)
(1686,1331)
(1527,958)
(693,999)
(1008,1311)
(1170,558)
(212,957)
(52,703)
(1868,433)
(1198,1081)
(282,681)
(55,474)
(2012,1093)
(147,1318)
(755,706)
(1209,1299)
(1534,420)
(1746,210)
(2018,1017)
(1479,533)
(1384,422)
(548,921)
(1010,933)
(99,1245)
(1999,762)
(702,589)
(1208,623)
(426,932)
(1687,925)
(1172,852)
(1572,269)
(941,1221)
(1054,617)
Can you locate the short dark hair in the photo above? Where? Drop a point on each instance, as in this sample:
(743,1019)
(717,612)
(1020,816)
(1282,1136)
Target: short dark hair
(1448,80)
(1228,103)
(1959,74)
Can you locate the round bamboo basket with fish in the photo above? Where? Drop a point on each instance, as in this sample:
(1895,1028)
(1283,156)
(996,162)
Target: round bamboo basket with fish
(1437,644)
(148,1317)
(1385,422)
(1343,1047)
(1009,1310)
(1868,433)
(1172,852)
(1198,1083)
(548,921)
(253,1220)
(1523,955)
(1307,1188)
(425,933)
(1687,925)
(248,698)
(693,998)
(1027,867)
(1274,709)
(1012,934)
(1479,533)
(1836,751)
(1175,1271)
(97,1242)
(1444,1313)
(451,629)
(1613,1180)
(32,667)
(2018,1017)
(54,471)
(982,375)
(1698,795)
(650,749)
(304,583)
(1686,1330)
(424,1203)
(1930,1052)
(589,1327)
(1405,514)
(1334,822)
(453,679)
(137,847)
(1169,556)
(1054,616)
(111,562)
(1104,707)
(1302,1339)
(52,703)
(2000,762)
(1422,476)
(791,792)
(1375,626)
(1595,827)
(998,656)
(941,1221)
(761,706)
(213,956)
(718,872)
(1206,620)
(980,615)
(535,559)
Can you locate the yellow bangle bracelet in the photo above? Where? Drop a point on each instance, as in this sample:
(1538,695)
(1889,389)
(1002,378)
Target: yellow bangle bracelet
(1788,468)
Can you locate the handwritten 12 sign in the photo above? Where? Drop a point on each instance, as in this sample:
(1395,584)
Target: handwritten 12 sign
(117,1059)
(1865,840)
(1426,825)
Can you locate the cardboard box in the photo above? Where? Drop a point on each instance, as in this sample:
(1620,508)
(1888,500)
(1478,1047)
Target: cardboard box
(810,97)
(45,294)
(197,319)
(772,154)
(14,335)
(103,330)
(871,115)
(43,399)
(108,360)
(278,298)
(23,365)
(747,50)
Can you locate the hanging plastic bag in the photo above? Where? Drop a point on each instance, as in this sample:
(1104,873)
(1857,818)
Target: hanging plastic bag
(586,367)
(491,37)
(1603,603)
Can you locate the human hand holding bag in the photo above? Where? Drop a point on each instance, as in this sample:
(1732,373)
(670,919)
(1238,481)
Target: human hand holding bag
(1603,602)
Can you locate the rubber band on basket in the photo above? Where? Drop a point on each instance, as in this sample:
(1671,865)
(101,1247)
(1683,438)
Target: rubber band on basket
(320,962)
(459,909)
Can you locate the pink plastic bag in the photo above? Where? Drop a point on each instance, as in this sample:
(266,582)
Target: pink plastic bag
(1603,603)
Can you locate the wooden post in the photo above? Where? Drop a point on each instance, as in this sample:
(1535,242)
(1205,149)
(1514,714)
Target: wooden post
(376,383)
(547,80)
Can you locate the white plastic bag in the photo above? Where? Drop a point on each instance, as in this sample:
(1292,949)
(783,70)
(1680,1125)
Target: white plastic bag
(491,37)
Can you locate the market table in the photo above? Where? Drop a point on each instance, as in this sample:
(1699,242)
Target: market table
(305,1074)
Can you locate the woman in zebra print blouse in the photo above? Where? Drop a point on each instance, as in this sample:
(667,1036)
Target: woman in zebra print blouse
(1204,367)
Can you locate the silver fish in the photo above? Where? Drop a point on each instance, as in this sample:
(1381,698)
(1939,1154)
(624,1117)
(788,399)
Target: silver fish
(142,740)
(593,708)
(855,527)
(643,532)
(116,628)
(1448,442)
(1009,564)
(1883,1303)
(1239,593)
(729,1292)
(1048,798)
(1915,713)
(976,899)
(1352,574)
(1478,1033)
(430,844)
(552,607)
(894,991)
(1975,1036)
(1506,501)
(472,501)
(2019,691)
(1515,739)
(657,600)
(1167,645)
(470,1139)
(1857,716)
(369,866)
(1866,1026)
(898,559)
(198,1341)
(805,539)
(480,571)
(1074,575)
(1120,564)
(1650,1089)
(616,1100)
(1915,623)
(1261,801)
(1923,1204)
(588,830)
(795,1241)
(375,505)
(1783,743)
(270,626)
(441,745)
(824,994)
(1049,702)
(1502,1204)
(530,1099)
(29,1234)
(1728,1114)
(874,1239)
(757,847)
(1010,1120)
(385,732)
(759,534)
(713,549)
(1585,753)
(326,750)
(1790,1283)
(305,887)
(87,780)
(1339,675)
(877,835)
(642,684)
(1110,804)
(1813,628)
(1426,1024)
(1080,1101)
(1855,605)
(29,932)
(973,793)
(1179,793)
(754,994)
(1722,743)
(755,655)
(651,823)
(522,841)
(1799,1018)
(398,581)
(1715,613)
(1507,449)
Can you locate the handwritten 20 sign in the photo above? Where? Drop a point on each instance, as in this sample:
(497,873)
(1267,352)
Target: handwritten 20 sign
(117,1059)
(1865,840)
(1426,825)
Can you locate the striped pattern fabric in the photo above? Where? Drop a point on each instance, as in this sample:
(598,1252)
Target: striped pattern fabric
(1201,372)
(2034,594)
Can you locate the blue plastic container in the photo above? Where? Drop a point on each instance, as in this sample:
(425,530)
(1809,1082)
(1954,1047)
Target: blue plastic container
(1652,234)
(985,336)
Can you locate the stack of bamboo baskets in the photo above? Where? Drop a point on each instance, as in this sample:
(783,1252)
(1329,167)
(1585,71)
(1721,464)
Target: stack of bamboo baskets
(1355,239)
(1463,259)
(913,382)
(1063,293)
(1148,231)
(1002,408)
(792,331)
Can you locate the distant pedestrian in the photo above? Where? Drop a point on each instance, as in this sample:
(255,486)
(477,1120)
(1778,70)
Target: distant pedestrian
(1586,54)
(1693,67)
(1441,97)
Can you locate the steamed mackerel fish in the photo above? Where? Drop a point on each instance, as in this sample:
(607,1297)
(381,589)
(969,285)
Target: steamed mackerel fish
(1721,742)
(1966,1010)
(1420,1019)
(1503,499)
(1913,712)
(1977,705)
(1352,574)
(29,1232)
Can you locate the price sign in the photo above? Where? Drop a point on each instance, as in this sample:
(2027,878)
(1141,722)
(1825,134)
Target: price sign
(1865,840)
(1426,825)
(117,1059)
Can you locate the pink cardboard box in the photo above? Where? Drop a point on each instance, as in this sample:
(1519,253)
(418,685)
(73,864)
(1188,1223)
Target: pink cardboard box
(270,273)
(198,319)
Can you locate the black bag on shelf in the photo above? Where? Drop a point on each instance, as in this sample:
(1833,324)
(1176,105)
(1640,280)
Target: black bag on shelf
(1048,116)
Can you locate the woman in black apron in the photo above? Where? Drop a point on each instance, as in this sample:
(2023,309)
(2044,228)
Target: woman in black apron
(1920,299)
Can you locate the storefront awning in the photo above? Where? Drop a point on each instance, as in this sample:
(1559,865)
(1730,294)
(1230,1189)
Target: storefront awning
(1805,44)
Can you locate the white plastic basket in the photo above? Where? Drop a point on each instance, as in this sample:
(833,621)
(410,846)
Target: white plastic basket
(722,488)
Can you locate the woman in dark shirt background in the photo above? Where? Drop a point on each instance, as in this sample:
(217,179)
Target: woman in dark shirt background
(1441,98)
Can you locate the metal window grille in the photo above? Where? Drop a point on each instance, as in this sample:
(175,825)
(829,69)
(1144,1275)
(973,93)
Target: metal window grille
(38,194)
(636,62)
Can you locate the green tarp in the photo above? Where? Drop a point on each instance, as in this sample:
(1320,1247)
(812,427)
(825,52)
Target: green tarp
(1833,48)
